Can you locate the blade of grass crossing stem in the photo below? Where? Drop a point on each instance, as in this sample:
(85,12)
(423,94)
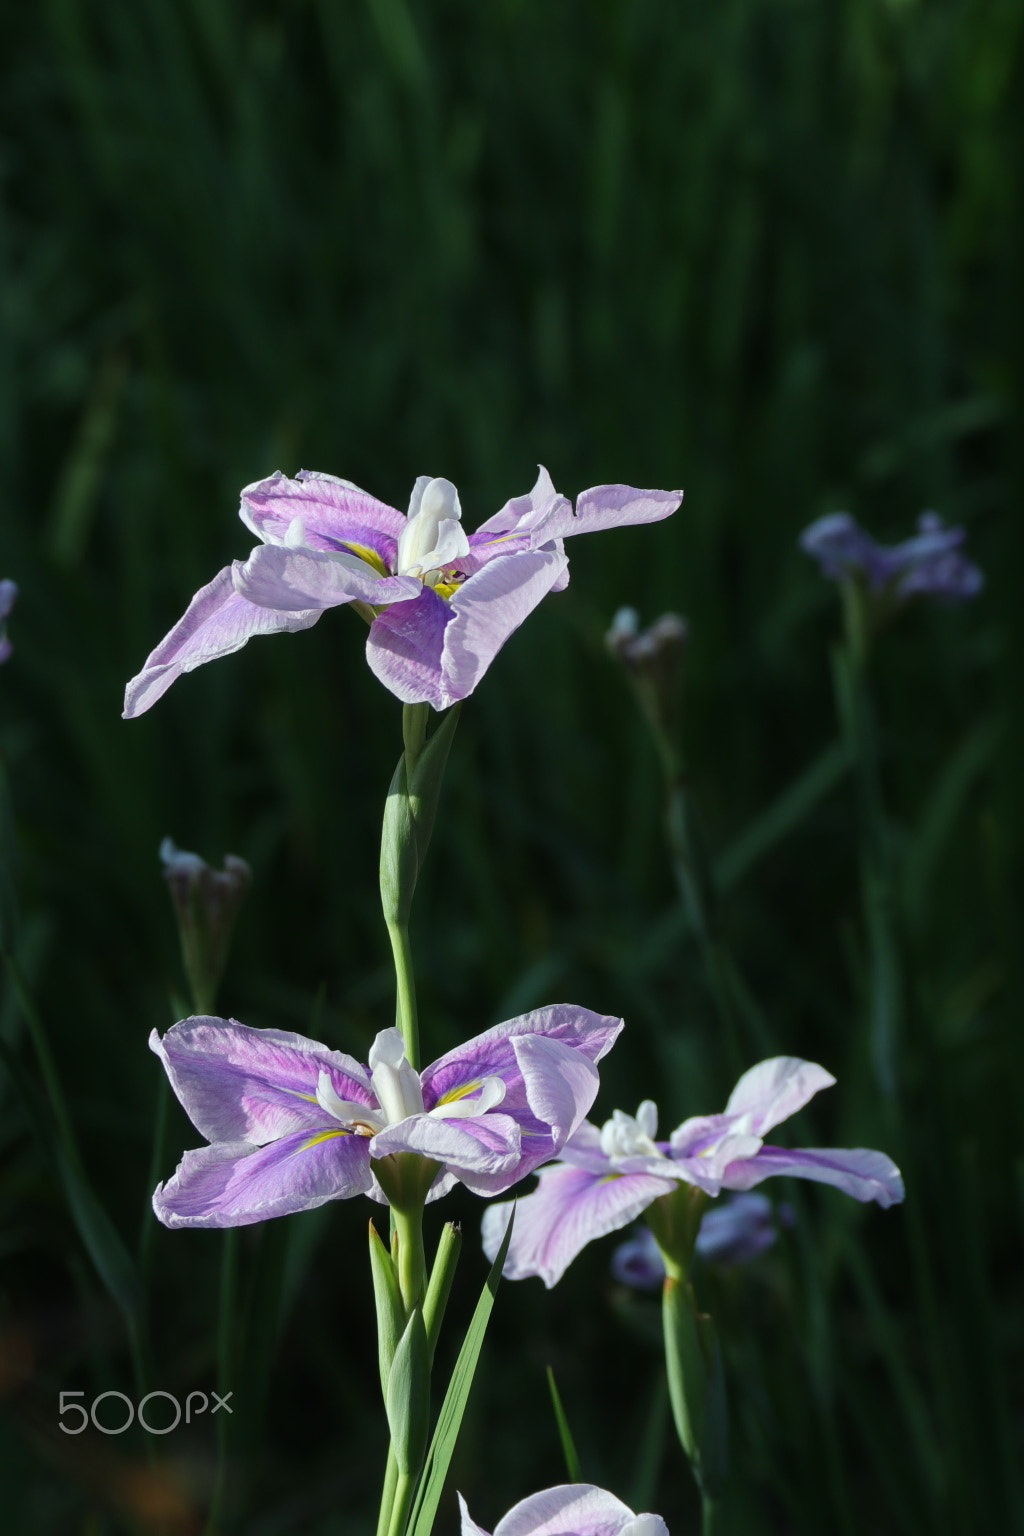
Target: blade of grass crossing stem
(572,1460)
(449,1420)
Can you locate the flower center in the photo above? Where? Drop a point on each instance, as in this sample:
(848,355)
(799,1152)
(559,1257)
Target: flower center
(433,538)
(631,1136)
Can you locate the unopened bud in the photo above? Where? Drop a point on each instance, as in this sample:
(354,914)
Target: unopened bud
(8,594)
(206,902)
(653,658)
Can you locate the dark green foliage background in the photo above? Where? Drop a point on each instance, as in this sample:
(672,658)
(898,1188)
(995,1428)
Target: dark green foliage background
(767,250)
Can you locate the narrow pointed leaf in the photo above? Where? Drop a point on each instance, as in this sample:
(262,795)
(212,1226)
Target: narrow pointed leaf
(449,1420)
(572,1460)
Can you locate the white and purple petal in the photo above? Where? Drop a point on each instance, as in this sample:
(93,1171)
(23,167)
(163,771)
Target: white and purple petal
(217,622)
(492,1054)
(857,1171)
(775,1089)
(573,1509)
(253,1085)
(607,506)
(233,1184)
(487,609)
(569,1209)
(404,648)
(488,1145)
(276,576)
(335,514)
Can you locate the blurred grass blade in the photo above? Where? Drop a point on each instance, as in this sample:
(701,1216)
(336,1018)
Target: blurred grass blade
(449,1420)
(572,1460)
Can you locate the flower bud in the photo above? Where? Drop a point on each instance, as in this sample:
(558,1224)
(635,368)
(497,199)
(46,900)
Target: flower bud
(206,902)
(8,594)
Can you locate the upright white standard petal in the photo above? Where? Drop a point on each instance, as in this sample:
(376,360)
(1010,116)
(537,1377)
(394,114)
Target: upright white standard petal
(628,1136)
(394,1081)
(434,535)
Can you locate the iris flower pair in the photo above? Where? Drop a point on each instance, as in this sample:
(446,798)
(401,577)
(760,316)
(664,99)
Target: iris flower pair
(607,1177)
(441,604)
(291,1124)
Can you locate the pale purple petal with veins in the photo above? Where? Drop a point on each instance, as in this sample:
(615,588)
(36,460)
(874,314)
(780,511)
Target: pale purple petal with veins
(404,648)
(233,1184)
(216,622)
(242,1084)
(294,579)
(334,513)
(607,506)
(863,1174)
(569,1209)
(492,1054)
(572,1509)
(488,1144)
(488,609)
(775,1089)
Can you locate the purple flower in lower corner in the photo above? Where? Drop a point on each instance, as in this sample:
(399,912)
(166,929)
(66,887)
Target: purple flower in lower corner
(8,597)
(930,564)
(292,1124)
(441,604)
(607,1177)
(734,1232)
(574,1509)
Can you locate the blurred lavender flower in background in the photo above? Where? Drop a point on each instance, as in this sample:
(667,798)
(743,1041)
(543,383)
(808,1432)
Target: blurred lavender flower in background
(573,1509)
(609,1175)
(731,1233)
(930,564)
(8,596)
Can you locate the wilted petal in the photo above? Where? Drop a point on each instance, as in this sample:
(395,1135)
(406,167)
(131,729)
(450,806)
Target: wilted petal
(404,647)
(576,1509)
(242,1084)
(608,506)
(487,609)
(232,1184)
(275,576)
(217,621)
(864,1174)
(569,1209)
(775,1089)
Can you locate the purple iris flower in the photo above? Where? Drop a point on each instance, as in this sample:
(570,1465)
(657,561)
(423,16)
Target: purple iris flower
(442,605)
(292,1124)
(608,1176)
(930,564)
(734,1232)
(574,1509)
(8,596)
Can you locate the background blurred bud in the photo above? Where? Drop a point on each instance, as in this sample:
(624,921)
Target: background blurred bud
(206,902)
(8,594)
(653,658)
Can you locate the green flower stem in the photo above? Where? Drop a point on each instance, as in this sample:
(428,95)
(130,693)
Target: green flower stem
(387,1498)
(857,718)
(406,1013)
(401,1503)
(410,1257)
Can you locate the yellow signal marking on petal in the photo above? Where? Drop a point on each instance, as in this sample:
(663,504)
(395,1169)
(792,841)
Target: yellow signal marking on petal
(463,1092)
(370,556)
(310,1098)
(314,1141)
